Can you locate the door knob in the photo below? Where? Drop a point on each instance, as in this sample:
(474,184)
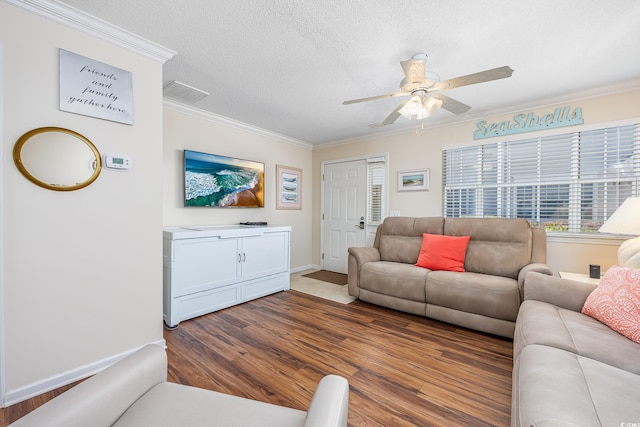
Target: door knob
(361,223)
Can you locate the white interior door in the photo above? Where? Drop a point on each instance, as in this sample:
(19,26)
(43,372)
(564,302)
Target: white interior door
(344,212)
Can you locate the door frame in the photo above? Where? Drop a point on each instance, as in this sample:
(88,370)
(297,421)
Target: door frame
(368,228)
(2,269)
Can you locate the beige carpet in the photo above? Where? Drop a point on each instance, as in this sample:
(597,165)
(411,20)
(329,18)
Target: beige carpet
(320,288)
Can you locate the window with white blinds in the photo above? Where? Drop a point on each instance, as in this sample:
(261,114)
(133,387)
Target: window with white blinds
(375,190)
(571,182)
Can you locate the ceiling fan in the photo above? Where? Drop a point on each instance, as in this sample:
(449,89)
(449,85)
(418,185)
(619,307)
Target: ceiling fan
(420,85)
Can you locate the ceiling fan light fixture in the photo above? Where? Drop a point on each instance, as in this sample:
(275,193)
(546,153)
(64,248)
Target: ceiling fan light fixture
(420,107)
(412,107)
(431,105)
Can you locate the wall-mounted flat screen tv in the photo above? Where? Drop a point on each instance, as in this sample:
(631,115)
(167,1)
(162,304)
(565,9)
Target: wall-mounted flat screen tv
(222,182)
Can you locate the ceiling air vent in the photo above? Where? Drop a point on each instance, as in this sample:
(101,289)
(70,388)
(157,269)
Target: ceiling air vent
(182,92)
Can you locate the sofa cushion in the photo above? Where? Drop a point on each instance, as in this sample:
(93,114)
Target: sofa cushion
(492,296)
(169,404)
(440,252)
(401,237)
(498,246)
(546,324)
(616,301)
(556,387)
(395,279)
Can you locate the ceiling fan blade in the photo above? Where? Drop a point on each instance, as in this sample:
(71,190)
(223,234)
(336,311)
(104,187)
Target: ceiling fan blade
(471,79)
(372,98)
(391,117)
(414,72)
(450,104)
(394,114)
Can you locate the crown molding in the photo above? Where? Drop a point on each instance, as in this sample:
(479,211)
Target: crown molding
(81,21)
(235,124)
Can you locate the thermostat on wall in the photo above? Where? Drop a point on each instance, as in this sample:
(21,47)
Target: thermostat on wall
(117,162)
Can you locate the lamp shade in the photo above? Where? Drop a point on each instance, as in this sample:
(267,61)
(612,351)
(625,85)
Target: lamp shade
(625,220)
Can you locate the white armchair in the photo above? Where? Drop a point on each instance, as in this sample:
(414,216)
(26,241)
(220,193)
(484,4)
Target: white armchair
(135,392)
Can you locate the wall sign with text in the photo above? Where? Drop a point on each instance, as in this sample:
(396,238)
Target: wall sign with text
(95,89)
(523,122)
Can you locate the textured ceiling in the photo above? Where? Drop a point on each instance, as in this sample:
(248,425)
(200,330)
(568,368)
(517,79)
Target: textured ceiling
(287,66)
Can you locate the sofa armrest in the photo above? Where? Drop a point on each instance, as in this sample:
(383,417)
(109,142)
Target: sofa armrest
(358,257)
(560,292)
(330,404)
(538,245)
(537,267)
(365,254)
(103,398)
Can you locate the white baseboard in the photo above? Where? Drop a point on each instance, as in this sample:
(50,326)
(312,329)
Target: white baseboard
(305,267)
(35,389)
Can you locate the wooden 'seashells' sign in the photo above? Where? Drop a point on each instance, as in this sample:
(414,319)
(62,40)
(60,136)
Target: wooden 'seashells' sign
(95,89)
(523,122)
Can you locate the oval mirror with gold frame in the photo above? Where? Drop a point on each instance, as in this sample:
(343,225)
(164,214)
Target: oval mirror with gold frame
(57,159)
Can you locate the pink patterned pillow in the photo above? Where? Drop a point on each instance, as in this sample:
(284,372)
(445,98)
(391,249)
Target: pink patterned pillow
(616,301)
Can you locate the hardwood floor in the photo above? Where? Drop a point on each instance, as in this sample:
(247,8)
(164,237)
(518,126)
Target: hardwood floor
(403,370)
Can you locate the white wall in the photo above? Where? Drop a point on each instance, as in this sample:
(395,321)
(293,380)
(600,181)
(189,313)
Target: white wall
(82,270)
(424,150)
(199,131)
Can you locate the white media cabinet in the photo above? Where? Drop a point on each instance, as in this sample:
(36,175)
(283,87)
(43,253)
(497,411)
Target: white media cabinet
(208,268)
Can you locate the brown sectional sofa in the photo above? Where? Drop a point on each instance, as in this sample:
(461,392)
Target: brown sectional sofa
(485,297)
(570,369)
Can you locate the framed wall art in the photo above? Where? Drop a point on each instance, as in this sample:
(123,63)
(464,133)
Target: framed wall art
(92,88)
(413,180)
(289,187)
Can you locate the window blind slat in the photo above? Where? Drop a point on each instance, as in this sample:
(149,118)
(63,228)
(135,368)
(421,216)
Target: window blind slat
(567,182)
(375,189)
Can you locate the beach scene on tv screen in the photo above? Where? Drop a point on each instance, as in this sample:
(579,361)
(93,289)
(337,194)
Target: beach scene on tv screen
(219,181)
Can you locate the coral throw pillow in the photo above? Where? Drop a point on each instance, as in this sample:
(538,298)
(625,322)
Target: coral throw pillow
(443,252)
(616,301)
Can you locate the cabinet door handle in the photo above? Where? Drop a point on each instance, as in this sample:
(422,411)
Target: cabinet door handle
(244,257)
(239,258)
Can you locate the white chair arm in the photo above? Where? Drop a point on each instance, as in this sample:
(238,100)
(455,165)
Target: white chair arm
(330,404)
